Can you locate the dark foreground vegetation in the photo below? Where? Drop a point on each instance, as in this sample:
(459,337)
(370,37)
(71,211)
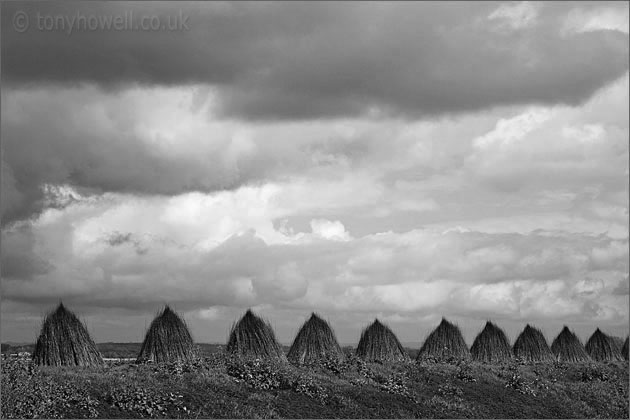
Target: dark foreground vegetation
(226,387)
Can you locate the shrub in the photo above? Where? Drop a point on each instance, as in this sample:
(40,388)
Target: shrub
(396,384)
(307,385)
(592,373)
(517,383)
(27,393)
(146,402)
(335,364)
(465,373)
(256,373)
(449,390)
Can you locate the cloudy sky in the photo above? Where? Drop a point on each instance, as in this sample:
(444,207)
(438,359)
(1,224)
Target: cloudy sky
(402,161)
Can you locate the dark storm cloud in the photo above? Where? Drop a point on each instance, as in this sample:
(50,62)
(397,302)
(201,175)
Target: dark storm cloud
(18,259)
(302,60)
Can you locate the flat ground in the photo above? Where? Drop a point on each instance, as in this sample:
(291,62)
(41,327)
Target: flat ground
(217,386)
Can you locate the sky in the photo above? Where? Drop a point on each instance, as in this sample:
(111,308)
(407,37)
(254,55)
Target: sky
(406,161)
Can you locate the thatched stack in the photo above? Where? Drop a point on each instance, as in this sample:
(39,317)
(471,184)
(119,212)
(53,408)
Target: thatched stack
(491,345)
(64,341)
(314,342)
(253,337)
(601,347)
(445,342)
(167,339)
(568,348)
(624,349)
(379,343)
(618,341)
(532,346)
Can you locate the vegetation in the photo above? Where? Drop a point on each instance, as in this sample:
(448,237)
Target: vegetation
(601,347)
(379,343)
(228,386)
(531,346)
(568,348)
(624,349)
(314,342)
(167,339)
(252,337)
(444,343)
(491,345)
(64,341)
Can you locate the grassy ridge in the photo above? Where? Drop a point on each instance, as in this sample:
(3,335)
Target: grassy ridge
(221,386)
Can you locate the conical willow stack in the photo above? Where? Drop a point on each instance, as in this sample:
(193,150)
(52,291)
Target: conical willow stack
(568,348)
(445,342)
(532,346)
(379,343)
(491,345)
(602,348)
(253,337)
(167,339)
(64,341)
(314,342)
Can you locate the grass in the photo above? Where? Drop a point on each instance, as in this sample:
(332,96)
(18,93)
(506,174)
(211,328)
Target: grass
(223,386)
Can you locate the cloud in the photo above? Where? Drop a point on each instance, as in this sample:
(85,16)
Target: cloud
(305,61)
(86,249)
(549,146)
(215,183)
(515,16)
(611,17)
(513,129)
(146,141)
(326,229)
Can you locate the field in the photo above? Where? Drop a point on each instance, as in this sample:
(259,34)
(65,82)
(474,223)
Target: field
(224,387)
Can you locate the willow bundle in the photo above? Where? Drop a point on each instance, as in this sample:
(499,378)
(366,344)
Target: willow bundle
(491,345)
(253,337)
(167,339)
(601,347)
(379,343)
(64,341)
(568,348)
(532,346)
(445,342)
(314,342)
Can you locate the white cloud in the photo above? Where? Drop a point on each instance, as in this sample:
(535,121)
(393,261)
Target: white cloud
(515,16)
(334,231)
(601,18)
(513,129)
